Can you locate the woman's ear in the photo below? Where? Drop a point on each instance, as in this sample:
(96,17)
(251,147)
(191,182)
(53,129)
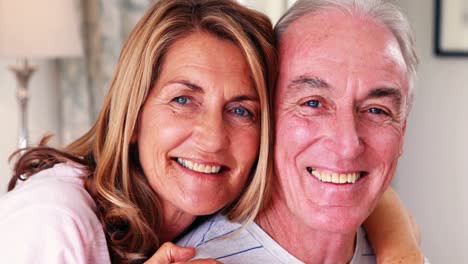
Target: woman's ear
(134,137)
(136,130)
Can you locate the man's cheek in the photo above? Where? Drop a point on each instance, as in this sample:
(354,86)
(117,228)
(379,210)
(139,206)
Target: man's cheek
(295,134)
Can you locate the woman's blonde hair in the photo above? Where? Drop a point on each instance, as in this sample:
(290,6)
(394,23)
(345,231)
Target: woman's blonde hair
(128,207)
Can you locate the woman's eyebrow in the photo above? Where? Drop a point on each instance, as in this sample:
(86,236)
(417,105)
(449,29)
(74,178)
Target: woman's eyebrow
(245,98)
(193,86)
(197,88)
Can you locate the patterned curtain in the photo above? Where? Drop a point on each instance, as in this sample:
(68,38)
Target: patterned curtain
(84,81)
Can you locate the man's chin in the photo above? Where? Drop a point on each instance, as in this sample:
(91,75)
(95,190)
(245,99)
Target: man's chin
(341,227)
(336,219)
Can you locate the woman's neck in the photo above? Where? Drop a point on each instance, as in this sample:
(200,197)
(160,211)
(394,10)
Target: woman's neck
(174,223)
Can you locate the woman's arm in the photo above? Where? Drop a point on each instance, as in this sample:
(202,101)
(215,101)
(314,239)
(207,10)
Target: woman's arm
(392,231)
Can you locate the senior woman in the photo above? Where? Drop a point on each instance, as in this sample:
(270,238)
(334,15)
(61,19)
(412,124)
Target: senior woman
(184,131)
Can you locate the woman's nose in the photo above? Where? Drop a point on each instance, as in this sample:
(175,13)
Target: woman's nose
(210,132)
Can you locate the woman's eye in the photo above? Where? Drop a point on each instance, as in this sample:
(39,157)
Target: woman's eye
(182,100)
(241,111)
(312,103)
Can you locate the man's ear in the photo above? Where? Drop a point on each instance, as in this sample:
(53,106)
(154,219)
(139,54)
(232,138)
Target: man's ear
(402,141)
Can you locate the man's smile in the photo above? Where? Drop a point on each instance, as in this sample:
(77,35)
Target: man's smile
(335,177)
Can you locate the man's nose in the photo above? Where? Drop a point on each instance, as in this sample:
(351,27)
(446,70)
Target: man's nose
(345,139)
(210,132)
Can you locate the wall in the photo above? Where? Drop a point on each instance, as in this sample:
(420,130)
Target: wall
(432,176)
(43,111)
(274,9)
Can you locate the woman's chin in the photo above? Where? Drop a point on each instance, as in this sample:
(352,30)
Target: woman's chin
(203,206)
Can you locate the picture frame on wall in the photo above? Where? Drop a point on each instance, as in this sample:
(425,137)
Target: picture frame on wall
(451,28)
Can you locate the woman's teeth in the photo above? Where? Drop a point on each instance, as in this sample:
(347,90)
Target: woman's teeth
(198,167)
(338,178)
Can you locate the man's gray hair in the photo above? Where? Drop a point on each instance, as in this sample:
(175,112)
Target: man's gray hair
(382,11)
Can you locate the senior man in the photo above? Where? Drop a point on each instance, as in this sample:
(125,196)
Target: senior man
(343,94)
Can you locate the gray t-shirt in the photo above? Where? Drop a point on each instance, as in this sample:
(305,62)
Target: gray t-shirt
(217,238)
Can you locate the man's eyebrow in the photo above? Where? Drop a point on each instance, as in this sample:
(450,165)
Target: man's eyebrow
(392,93)
(310,81)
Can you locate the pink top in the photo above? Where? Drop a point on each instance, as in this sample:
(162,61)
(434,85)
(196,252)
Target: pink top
(51,218)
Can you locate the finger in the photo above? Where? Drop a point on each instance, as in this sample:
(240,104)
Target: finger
(201,261)
(170,253)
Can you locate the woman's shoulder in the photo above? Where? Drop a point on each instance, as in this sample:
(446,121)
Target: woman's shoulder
(59,190)
(52,214)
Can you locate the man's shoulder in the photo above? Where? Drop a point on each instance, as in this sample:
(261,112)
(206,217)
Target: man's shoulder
(215,230)
(231,242)
(363,253)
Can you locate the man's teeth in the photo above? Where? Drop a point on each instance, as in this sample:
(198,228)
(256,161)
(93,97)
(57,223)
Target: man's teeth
(198,167)
(339,178)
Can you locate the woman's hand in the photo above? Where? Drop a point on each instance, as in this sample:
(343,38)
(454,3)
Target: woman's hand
(171,253)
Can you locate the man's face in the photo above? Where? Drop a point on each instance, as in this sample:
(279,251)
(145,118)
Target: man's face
(340,117)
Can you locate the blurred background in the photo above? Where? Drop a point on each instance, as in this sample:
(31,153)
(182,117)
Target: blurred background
(67,89)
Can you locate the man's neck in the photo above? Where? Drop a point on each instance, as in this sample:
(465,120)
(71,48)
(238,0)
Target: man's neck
(305,243)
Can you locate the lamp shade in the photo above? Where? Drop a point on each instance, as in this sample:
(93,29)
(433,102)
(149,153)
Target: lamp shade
(39,28)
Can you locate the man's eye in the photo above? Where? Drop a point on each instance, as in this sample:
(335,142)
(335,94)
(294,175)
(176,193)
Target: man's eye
(312,103)
(377,111)
(182,100)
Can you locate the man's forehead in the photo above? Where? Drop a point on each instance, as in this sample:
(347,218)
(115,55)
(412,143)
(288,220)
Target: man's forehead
(306,27)
(332,25)
(330,39)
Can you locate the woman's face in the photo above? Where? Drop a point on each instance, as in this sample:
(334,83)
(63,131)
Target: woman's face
(198,131)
